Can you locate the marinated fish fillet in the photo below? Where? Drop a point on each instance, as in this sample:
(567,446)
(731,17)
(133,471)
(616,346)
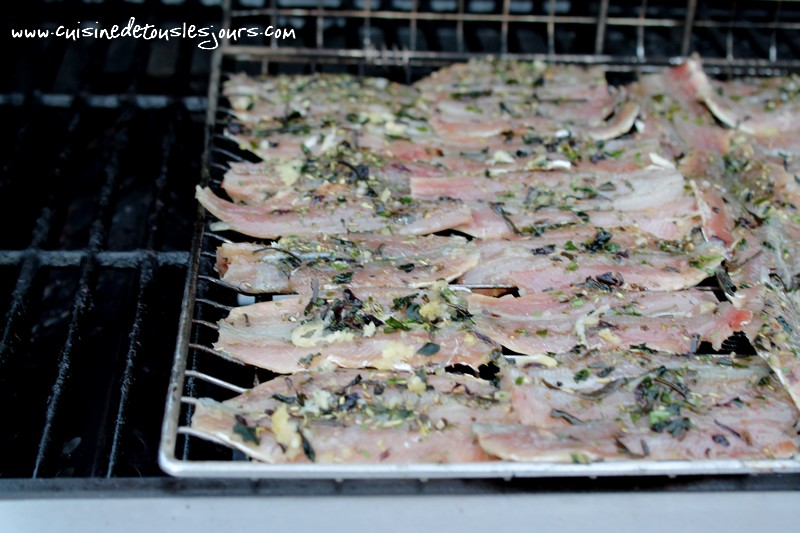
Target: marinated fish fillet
(675,113)
(362,172)
(292,264)
(775,328)
(286,101)
(330,216)
(478,98)
(350,417)
(672,220)
(766,109)
(655,200)
(542,263)
(630,191)
(557,322)
(615,406)
(387,329)
(602,206)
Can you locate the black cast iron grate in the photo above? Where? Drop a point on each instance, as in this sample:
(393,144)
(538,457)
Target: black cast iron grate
(102,145)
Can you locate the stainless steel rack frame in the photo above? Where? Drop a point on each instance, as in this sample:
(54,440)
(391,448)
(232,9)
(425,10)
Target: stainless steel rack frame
(710,28)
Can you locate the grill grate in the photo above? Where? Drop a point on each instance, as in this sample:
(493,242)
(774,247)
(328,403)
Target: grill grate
(627,35)
(200,371)
(96,197)
(63,105)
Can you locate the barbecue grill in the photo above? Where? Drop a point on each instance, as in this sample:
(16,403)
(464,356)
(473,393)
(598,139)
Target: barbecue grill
(95,265)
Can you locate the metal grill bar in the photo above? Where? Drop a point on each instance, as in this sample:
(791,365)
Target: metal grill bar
(438,59)
(602,20)
(640,53)
(689,18)
(553,19)
(551,28)
(146,274)
(194,104)
(773,43)
(81,301)
(686,43)
(74,258)
(32,262)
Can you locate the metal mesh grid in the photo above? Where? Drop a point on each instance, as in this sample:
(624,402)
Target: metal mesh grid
(369,39)
(756,37)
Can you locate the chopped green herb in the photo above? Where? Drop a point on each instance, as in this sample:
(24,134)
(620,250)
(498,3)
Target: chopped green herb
(392,325)
(407,267)
(429,348)
(579,458)
(581,375)
(605,372)
(307,449)
(305,361)
(284,399)
(247,433)
(642,348)
(412,312)
(403,301)
(344,277)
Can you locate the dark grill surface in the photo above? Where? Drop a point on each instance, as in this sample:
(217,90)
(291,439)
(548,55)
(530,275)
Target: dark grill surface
(101,149)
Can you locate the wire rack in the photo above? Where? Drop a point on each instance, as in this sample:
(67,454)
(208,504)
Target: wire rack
(734,37)
(402,40)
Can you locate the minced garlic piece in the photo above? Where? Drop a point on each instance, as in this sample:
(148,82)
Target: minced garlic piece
(320,401)
(312,333)
(416,385)
(470,340)
(607,335)
(436,307)
(393,128)
(539,359)
(290,171)
(285,431)
(369,330)
(240,103)
(707,307)
(329,141)
(501,156)
(590,320)
(393,354)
